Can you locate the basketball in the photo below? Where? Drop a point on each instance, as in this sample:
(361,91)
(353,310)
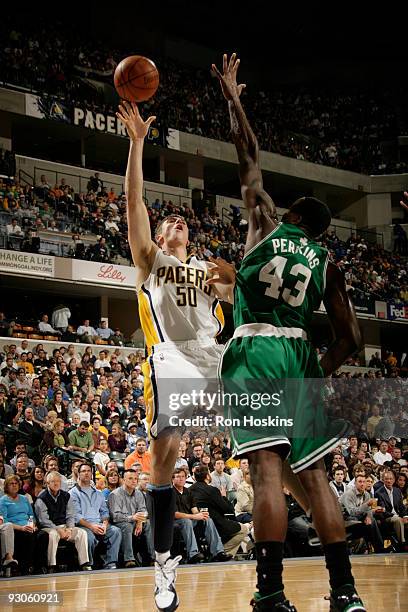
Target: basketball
(136,78)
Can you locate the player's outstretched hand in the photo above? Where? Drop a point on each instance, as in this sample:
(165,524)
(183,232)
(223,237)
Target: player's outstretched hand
(228,80)
(220,272)
(404,201)
(130,116)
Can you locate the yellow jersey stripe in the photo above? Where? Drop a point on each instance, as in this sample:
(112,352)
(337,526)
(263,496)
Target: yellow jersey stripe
(147,322)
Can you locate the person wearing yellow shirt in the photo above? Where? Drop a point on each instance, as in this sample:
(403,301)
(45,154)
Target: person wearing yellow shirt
(23,363)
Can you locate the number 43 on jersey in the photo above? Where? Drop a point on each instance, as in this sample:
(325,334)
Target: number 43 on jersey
(273,274)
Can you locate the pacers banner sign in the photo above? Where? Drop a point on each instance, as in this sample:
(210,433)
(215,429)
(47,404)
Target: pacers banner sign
(29,263)
(49,107)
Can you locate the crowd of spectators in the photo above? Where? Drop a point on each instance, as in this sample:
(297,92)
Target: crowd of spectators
(344,130)
(370,271)
(59,328)
(75,463)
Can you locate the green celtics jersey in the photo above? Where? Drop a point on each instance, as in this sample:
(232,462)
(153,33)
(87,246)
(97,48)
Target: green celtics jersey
(281,280)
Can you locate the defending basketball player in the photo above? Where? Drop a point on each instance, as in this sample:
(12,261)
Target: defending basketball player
(283,277)
(180,316)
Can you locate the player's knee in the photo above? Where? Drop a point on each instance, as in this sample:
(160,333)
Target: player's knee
(265,466)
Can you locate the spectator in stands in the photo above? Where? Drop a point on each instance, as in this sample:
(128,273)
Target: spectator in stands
(21,468)
(112,479)
(102,361)
(337,484)
(231,532)
(100,251)
(92,515)
(46,328)
(69,335)
(40,411)
(72,480)
(23,363)
(35,484)
(217,443)
(33,433)
(127,508)
(181,462)
(141,454)
(60,317)
(57,437)
(359,506)
(245,499)
(7,544)
(30,545)
(358,470)
(95,183)
(117,439)
(382,455)
(56,516)
(81,440)
(20,447)
(395,513)
(83,412)
(104,332)
(98,431)
(196,455)
(220,479)
(13,229)
(187,517)
(117,338)
(86,333)
(101,458)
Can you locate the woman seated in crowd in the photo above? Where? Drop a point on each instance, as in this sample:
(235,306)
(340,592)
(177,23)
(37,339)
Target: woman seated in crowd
(117,439)
(113,481)
(36,483)
(30,545)
(245,499)
(218,443)
(57,437)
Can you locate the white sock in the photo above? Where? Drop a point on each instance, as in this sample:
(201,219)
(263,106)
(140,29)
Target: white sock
(162,557)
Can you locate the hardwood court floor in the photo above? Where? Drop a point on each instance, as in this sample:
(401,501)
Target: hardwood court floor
(382,582)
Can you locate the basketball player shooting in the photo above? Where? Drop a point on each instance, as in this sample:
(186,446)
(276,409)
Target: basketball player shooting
(180,316)
(277,289)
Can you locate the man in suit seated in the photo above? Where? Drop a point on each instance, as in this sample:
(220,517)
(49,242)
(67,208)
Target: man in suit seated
(396,514)
(220,510)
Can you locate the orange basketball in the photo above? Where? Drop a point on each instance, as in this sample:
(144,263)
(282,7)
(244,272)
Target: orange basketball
(136,78)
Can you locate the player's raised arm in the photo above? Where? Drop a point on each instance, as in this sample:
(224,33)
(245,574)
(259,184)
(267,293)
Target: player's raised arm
(347,336)
(254,196)
(141,245)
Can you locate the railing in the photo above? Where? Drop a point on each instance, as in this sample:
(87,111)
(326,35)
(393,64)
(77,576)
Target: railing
(21,177)
(178,199)
(80,184)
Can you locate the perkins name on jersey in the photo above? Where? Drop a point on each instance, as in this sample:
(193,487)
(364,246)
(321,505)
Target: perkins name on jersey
(285,245)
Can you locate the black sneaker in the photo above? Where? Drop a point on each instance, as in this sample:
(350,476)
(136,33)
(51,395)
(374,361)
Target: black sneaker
(346,599)
(272,603)
(222,556)
(198,558)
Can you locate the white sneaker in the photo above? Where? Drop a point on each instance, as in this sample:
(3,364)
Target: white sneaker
(165,594)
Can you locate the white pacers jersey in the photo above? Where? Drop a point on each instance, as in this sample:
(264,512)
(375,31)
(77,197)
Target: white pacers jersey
(175,305)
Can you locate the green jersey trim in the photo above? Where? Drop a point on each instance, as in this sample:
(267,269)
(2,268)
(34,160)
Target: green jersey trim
(262,241)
